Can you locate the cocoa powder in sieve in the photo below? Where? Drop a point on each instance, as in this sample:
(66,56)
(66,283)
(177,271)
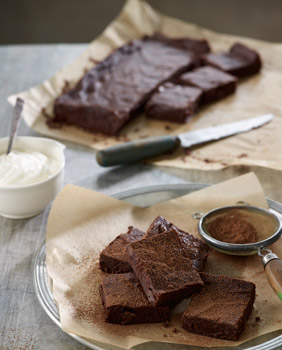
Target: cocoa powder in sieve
(232,229)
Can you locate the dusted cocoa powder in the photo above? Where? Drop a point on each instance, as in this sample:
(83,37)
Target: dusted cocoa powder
(232,228)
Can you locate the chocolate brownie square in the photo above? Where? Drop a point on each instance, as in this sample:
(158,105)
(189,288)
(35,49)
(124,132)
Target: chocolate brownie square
(239,60)
(163,269)
(214,83)
(113,258)
(221,309)
(116,89)
(124,301)
(196,249)
(172,102)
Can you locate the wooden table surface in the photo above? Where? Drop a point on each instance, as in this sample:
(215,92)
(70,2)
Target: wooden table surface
(23,323)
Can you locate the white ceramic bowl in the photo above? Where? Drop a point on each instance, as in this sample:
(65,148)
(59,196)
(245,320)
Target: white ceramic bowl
(18,202)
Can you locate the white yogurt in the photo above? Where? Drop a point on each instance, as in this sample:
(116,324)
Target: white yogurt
(26,167)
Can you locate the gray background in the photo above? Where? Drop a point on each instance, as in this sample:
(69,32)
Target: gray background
(73,21)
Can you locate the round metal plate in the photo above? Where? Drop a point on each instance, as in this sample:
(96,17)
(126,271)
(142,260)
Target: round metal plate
(143,197)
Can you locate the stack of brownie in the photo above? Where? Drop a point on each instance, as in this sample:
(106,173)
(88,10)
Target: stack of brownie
(149,273)
(168,78)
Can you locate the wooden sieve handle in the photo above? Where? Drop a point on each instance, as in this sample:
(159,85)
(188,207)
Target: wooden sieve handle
(273,270)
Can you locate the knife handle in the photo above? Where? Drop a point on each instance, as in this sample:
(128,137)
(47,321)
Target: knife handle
(134,151)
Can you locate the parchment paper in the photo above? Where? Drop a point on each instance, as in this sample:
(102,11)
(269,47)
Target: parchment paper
(83,222)
(256,95)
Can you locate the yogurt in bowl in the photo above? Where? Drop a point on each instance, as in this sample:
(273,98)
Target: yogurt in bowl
(26,167)
(31,175)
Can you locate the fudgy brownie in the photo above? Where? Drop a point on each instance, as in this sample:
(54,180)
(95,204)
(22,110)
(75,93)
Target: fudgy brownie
(173,102)
(239,60)
(115,90)
(196,249)
(221,309)
(197,46)
(113,258)
(163,269)
(124,301)
(214,83)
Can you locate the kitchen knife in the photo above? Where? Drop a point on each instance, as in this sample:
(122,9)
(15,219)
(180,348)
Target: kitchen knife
(134,151)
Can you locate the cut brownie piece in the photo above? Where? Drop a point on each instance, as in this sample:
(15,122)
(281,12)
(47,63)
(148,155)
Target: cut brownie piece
(172,102)
(113,258)
(196,249)
(221,309)
(163,269)
(115,90)
(214,83)
(124,301)
(239,60)
(197,46)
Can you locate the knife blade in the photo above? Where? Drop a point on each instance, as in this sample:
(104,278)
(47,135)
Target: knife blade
(134,151)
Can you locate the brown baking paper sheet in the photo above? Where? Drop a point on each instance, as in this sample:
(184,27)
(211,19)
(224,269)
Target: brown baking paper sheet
(255,96)
(83,222)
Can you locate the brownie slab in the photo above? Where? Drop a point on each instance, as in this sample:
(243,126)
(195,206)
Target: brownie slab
(163,269)
(239,60)
(214,83)
(221,309)
(196,249)
(115,90)
(124,301)
(113,258)
(173,102)
(197,46)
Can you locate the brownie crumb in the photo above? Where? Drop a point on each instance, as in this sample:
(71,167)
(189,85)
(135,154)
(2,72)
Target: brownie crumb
(243,155)
(66,86)
(93,60)
(54,125)
(46,114)
(166,324)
